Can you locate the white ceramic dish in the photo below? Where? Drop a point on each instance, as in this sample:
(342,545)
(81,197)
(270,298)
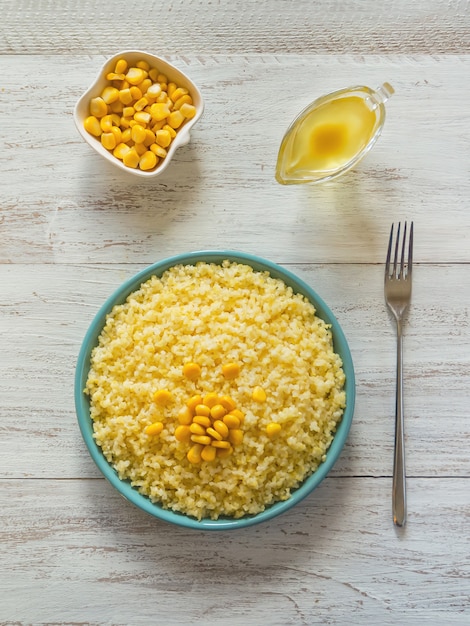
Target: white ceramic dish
(81,110)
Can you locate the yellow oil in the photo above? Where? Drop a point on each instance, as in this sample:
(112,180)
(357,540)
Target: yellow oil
(329,137)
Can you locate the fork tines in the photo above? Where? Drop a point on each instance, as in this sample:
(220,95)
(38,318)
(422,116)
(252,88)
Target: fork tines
(401,266)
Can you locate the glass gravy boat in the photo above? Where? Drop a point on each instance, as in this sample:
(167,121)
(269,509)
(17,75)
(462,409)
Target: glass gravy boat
(332,134)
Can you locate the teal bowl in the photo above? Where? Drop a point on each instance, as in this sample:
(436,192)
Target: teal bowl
(83,408)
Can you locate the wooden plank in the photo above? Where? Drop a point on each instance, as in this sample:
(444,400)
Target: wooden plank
(220,192)
(84,555)
(326,27)
(47,309)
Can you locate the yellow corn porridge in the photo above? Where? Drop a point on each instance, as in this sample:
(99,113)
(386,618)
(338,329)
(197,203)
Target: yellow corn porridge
(215,390)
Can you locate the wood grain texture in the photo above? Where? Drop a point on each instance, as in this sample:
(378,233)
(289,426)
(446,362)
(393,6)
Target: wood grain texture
(98,560)
(73,228)
(201,26)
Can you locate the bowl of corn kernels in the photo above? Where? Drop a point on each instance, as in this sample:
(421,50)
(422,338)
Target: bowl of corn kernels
(138,112)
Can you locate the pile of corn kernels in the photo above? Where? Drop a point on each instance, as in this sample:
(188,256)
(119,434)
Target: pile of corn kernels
(138,114)
(211,424)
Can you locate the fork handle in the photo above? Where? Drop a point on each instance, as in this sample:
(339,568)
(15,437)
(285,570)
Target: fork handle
(399,486)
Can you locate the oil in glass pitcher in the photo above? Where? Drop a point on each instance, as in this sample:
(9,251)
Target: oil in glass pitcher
(332,135)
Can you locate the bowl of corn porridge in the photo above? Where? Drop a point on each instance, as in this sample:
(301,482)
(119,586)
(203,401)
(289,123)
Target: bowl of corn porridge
(214,390)
(138,111)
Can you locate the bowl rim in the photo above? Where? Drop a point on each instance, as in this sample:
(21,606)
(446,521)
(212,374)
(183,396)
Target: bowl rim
(82,404)
(183,134)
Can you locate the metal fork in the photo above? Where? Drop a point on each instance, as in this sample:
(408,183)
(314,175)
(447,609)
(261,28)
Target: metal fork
(397,289)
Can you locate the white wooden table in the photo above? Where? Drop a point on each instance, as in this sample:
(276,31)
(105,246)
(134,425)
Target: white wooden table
(72,228)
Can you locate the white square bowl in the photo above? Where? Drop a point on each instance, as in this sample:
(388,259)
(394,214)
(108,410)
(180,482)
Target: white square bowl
(81,111)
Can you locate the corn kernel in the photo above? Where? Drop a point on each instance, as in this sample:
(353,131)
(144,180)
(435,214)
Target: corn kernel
(163,98)
(158,150)
(221,428)
(183,100)
(153,429)
(125,96)
(163,397)
(205,440)
(110,94)
(231,421)
(185,416)
(159,111)
(193,402)
(208,453)
(141,149)
(121,66)
(259,395)
(177,93)
(227,403)
(214,434)
(158,125)
(161,78)
(191,370)
(142,117)
(239,414)
(197,429)
(230,370)
(121,150)
(138,133)
(211,399)
(273,429)
(108,140)
(116,107)
(114,76)
(175,119)
(183,434)
(171,87)
(144,85)
(188,110)
(171,130)
(202,420)
(106,123)
(153,74)
(135,75)
(221,444)
(135,92)
(141,104)
(92,126)
(143,65)
(128,111)
(147,161)
(163,138)
(194,453)
(98,107)
(126,135)
(116,131)
(149,137)
(154,91)
(218,411)
(235,436)
(203,410)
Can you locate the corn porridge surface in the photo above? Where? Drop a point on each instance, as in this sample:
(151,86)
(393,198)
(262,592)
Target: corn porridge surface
(213,314)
